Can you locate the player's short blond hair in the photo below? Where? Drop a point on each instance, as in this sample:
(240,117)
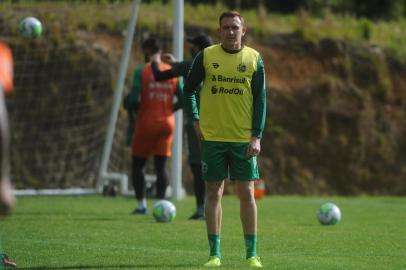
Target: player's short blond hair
(231,14)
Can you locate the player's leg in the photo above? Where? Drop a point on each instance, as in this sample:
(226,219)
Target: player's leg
(162,151)
(214,212)
(215,170)
(195,162)
(6,193)
(138,179)
(248,214)
(7,199)
(244,171)
(161,176)
(199,188)
(6,261)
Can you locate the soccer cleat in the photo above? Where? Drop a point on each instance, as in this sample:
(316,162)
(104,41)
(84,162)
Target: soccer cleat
(197,216)
(254,262)
(214,261)
(6,261)
(139,211)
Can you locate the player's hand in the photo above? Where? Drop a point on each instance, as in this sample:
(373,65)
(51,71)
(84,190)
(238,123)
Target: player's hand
(7,199)
(168,58)
(155,58)
(254,147)
(197,129)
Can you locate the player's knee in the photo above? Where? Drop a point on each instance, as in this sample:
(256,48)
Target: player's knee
(214,192)
(245,192)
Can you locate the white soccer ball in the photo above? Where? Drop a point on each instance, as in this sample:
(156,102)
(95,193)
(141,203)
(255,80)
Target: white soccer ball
(329,214)
(164,211)
(30,27)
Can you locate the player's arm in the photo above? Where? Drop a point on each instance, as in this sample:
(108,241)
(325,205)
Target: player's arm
(194,79)
(173,72)
(179,95)
(259,100)
(259,109)
(131,102)
(132,99)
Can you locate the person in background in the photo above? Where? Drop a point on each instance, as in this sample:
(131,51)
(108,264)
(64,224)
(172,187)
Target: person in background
(181,69)
(7,199)
(154,104)
(230,122)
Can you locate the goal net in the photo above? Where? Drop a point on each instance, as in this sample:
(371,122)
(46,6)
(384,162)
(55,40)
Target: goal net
(63,92)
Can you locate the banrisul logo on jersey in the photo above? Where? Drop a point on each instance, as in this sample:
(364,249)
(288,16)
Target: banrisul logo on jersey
(221,78)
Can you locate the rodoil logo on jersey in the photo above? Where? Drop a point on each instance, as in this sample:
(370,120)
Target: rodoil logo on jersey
(229,91)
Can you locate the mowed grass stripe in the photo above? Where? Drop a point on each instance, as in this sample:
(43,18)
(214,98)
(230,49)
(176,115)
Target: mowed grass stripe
(99,233)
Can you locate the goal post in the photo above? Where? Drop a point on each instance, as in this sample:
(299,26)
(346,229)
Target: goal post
(177,191)
(104,175)
(67,125)
(176,172)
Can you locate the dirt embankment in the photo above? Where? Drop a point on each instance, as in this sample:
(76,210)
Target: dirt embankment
(336,118)
(335,125)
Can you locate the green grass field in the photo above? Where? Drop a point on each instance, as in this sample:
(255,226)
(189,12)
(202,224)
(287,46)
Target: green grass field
(99,233)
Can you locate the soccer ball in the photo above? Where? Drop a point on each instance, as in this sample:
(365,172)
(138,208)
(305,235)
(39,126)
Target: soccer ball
(164,211)
(329,214)
(30,27)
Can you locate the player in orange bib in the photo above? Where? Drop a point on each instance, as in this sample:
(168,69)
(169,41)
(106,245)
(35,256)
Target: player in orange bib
(6,193)
(154,104)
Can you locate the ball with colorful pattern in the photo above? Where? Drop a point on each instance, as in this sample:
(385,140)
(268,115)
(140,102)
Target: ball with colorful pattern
(30,27)
(329,214)
(164,211)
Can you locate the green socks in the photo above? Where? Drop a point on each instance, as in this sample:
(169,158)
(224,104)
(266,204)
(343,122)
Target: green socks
(214,243)
(250,245)
(200,210)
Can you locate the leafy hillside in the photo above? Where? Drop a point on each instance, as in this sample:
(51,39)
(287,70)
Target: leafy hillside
(337,99)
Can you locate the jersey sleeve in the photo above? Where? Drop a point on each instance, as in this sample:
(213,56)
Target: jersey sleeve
(192,85)
(259,100)
(132,99)
(131,103)
(178,69)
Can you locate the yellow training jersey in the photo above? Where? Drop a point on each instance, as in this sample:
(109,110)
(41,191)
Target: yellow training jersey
(226,98)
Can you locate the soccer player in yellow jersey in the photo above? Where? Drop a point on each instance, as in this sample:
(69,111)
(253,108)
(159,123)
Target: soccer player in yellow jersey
(230,122)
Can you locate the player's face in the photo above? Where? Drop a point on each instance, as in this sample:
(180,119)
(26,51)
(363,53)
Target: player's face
(231,32)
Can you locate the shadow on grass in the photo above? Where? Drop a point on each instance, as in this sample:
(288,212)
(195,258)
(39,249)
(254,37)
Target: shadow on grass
(135,266)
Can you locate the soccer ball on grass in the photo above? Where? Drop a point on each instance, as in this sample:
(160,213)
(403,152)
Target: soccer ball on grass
(329,214)
(164,211)
(30,27)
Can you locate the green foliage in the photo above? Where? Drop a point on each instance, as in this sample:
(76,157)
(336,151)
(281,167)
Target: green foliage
(366,28)
(387,34)
(99,233)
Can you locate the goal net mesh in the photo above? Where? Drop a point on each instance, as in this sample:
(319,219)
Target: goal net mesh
(63,91)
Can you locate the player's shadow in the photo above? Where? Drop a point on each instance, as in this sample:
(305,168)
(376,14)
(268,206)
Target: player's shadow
(122,266)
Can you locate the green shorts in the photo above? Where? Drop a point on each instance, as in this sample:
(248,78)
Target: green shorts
(221,160)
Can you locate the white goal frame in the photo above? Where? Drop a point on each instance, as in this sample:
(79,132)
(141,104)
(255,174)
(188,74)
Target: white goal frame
(177,192)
